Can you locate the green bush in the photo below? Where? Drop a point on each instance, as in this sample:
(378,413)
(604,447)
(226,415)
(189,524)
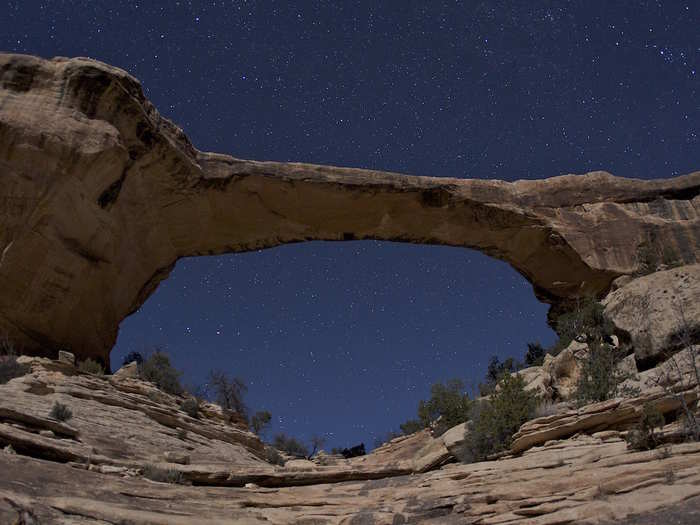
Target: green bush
(290,445)
(599,377)
(586,319)
(60,411)
(495,421)
(158,370)
(162,475)
(90,366)
(448,405)
(642,437)
(411,426)
(190,406)
(495,371)
(535,354)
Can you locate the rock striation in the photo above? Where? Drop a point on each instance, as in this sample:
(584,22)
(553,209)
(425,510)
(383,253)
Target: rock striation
(101,195)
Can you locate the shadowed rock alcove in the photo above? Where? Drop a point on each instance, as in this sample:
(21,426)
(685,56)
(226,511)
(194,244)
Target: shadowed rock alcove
(101,196)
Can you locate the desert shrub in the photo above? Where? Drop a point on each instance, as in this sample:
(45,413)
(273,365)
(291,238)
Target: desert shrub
(495,421)
(190,406)
(599,378)
(290,445)
(585,320)
(273,456)
(228,392)
(535,354)
(158,370)
(411,426)
(132,357)
(260,420)
(90,366)
(162,475)
(60,411)
(9,367)
(448,405)
(495,371)
(642,437)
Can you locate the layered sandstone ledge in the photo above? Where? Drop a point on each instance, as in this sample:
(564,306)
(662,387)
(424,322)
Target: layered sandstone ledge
(101,196)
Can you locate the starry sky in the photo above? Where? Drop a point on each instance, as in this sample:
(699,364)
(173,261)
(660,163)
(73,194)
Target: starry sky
(344,339)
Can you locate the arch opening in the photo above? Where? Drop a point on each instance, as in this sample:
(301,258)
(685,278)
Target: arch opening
(339,339)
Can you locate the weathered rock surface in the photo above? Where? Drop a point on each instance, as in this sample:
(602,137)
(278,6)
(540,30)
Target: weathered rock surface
(89,470)
(656,311)
(101,196)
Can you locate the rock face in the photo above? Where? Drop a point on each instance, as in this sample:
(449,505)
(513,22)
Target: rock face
(101,196)
(658,313)
(91,469)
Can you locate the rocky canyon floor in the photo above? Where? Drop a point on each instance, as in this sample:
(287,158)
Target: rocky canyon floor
(90,468)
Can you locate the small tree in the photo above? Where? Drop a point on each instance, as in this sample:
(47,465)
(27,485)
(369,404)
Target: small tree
(599,376)
(643,437)
(448,404)
(316,442)
(290,445)
(132,357)
(90,366)
(9,367)
(260,420)
(495,421)
(158,370)
(495,371)
(586,320)
(681,372)
(535,354)
(411,426)
(229,391)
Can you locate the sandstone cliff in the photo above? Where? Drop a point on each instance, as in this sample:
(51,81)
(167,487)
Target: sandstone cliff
(100,196)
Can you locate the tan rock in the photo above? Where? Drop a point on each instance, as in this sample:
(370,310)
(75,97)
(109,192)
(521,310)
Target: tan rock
(66,357)
(128,370)
(106,195)
(651,309)
(177,457)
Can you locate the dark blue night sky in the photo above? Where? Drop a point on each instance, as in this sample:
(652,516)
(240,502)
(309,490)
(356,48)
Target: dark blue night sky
(343,339)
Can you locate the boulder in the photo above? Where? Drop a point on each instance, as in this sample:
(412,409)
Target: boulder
(66,358)
(654,312)
(177,457)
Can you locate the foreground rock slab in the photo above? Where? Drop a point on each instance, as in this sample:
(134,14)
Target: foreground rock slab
(102,195)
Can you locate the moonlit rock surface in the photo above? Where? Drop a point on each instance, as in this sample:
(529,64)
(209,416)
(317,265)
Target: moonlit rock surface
(101,196)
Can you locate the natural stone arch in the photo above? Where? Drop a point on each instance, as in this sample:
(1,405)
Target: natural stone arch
(101,195)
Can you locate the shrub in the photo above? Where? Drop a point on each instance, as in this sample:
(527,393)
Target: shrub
(495,421)
(586,319)
(535,354)
(163,475)
(190,406)
(229,392)
(495,371)
(158,370)
(411,426)
(448,405)
(60,411)
(132,357)
(273,456)
(260,420)
(599,377)
(290,445)
(90,366)
(642,437)
(9,367)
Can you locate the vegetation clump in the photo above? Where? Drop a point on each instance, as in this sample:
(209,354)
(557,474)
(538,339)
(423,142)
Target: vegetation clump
(260,420)
(190,406)
(60,412)
(599,378)
(643,437)
(448,406)
(228,392)
(90,366)
(158,370)
(162,475)
(9,367)
(290,445)
(495,421)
